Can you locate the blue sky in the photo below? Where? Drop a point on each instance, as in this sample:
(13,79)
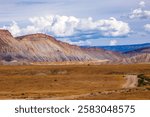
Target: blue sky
(81,22)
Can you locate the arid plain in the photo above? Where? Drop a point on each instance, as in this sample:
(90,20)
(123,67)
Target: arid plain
(74,82)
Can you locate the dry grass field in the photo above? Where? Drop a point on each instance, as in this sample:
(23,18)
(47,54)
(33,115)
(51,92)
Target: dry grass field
(71,82)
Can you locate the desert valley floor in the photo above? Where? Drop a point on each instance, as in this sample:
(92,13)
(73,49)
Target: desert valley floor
(75,82)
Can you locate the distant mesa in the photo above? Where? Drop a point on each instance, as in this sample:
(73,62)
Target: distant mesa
(44,48)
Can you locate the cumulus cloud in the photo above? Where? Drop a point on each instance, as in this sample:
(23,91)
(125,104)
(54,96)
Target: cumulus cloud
(140,12)
(71,27)
(142,4)
(147,27)
(13,28)
(113,42)
(80,42)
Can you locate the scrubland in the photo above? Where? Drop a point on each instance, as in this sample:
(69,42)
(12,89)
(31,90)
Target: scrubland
(71,82)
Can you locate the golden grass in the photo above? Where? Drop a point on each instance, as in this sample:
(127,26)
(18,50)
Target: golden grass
(41,81)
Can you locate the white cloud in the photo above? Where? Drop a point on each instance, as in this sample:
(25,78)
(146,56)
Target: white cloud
(113,42)
(142,4)
(140,12)
(13,28)
(147,27)
(113,27)
(65,26)
(79,43)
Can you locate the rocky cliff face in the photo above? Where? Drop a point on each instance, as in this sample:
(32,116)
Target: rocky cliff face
(44,48)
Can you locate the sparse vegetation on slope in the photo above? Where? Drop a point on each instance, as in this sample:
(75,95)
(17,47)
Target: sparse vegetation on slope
(143,80)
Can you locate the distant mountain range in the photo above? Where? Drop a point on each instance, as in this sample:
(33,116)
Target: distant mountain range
(46,49)
(122,48)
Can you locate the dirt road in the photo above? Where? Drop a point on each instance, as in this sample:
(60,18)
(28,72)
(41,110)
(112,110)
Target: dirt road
(131,81)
